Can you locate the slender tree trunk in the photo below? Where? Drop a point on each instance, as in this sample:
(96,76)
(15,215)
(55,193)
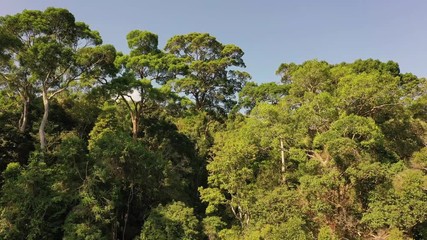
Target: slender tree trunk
(283,170)
(43,123)
(114,229)
(24,117)
(135,126)
(127,212)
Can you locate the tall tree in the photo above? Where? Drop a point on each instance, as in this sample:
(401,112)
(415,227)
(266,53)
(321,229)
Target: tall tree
(212,78)
(14,75)
(47,59)
(145,64)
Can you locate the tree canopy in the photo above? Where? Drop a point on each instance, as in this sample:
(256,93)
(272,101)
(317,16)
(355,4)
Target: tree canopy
(177,143)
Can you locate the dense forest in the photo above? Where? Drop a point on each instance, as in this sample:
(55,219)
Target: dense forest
(177,142)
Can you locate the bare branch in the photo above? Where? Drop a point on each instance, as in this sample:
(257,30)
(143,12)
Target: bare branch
(126,102)
(56,92)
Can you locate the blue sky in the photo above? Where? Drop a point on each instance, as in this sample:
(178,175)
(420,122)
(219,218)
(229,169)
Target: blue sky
(270,32)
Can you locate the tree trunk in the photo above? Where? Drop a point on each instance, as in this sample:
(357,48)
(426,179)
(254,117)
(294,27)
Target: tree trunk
(135,126)
(43,123)
(127,212)
(24,117)
(283,170)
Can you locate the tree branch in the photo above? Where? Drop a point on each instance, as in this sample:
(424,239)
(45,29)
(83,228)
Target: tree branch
(126,102)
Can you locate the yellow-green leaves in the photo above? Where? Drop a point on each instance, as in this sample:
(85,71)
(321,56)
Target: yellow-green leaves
(173,221)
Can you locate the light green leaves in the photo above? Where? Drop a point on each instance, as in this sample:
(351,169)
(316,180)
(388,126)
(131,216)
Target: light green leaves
(173,221)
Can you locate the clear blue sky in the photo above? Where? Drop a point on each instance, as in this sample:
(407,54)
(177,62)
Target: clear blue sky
(270,32)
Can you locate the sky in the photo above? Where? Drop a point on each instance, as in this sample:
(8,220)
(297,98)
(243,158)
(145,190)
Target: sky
(270,32)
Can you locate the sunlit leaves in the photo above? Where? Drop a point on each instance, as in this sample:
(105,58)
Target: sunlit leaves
(209,78)
(173,221)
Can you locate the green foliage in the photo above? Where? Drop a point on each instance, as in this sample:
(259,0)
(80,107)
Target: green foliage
(142,42)
(53,51)
(342,126)
(373,95)
(173,221)
(252,94)
(123,173)
(326,233)
(34,200)
(145,64)
(181,169)
(348,138)
(419,159)
(152,144)
(14,146)
(404,206)
(370,65)
(311,76)
(210,78)
(396,234)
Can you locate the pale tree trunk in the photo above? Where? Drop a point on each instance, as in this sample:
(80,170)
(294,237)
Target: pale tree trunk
(135,126)
(134,116)
(283,170)
(24,117)
(43,123)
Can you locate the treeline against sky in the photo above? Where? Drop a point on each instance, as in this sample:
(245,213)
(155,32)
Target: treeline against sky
(177,142)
